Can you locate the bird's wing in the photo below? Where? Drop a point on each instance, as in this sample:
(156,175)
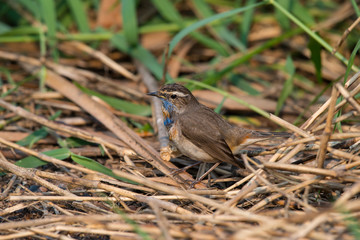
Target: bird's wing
(205,135)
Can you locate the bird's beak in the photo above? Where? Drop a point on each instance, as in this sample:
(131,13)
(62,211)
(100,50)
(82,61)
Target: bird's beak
(155,94)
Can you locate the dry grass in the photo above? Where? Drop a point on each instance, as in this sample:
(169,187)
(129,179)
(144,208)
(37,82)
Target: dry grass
(304,187)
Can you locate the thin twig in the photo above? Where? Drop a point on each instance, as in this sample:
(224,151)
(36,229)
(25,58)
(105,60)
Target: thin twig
(320,157)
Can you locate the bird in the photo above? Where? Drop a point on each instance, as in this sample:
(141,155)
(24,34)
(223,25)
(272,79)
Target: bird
(200,133)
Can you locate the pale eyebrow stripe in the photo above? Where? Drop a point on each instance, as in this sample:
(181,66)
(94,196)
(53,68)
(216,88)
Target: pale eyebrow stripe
(179,94)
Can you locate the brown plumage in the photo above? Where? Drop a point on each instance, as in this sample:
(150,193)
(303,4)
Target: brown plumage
(197,131)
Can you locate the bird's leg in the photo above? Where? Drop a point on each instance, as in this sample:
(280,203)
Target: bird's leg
(181,170)
(204,175)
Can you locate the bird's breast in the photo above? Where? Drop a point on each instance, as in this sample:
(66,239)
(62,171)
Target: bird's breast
(186,147)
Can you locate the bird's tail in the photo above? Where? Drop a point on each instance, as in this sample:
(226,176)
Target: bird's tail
(264,139)
(259,134)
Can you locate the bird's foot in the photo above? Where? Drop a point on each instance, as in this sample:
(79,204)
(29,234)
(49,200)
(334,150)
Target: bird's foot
(184,169)
(198,180)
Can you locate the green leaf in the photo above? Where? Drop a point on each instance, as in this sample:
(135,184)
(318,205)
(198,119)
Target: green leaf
(22,30)
(74,142)
(302,13)
(9,79)
(211,43)
(16,84)
(93,165)
(4,28)
(218,107)
(34,162)
(32,138)
(240,81)
(32,6)
(351,60)
(122,105)
(348,69)
(168,11)
(280,17)
(128,12)
(295,7)
(37,135)
(146,58)
(355,7)
(139,53)
(315,49)
(119,41)
(48,14)
(79,13)
(288,86)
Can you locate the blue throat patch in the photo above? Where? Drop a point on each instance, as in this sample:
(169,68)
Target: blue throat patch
(168,122)
(169,108)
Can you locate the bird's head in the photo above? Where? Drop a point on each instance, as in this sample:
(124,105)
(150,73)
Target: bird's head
(175,97)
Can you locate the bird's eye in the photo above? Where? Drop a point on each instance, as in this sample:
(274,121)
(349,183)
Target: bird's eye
(173,96)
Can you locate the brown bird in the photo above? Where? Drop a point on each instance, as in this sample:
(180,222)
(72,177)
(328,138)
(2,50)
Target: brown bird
(200,133)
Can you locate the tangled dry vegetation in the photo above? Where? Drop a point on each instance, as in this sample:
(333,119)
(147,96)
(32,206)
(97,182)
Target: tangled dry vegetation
(305,187)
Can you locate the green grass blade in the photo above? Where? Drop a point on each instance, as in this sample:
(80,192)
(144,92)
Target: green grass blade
(139,53)
(15,84)
(205,21)
(14,39)
(280,17)
(49,16)
(203,8)
(32,6)
(351,60)
(295,8)
(356,7)
(221,31)
(217,76)
(148,60)
(227,95)
(122,105)
(221,104)
(246,22)
(37,135)
(119,41)
(348,69)
(6,72)
(78,11)
(34,162)
(288,86)
(95,166)
(34,137)
(4,28)
(130,26)
(231,39)
(351,223)
(302,13)
(315,50)
(311,33)
(21,30)
(168,11)
(75,142)
(211,43)
(313,101)
(240,81)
